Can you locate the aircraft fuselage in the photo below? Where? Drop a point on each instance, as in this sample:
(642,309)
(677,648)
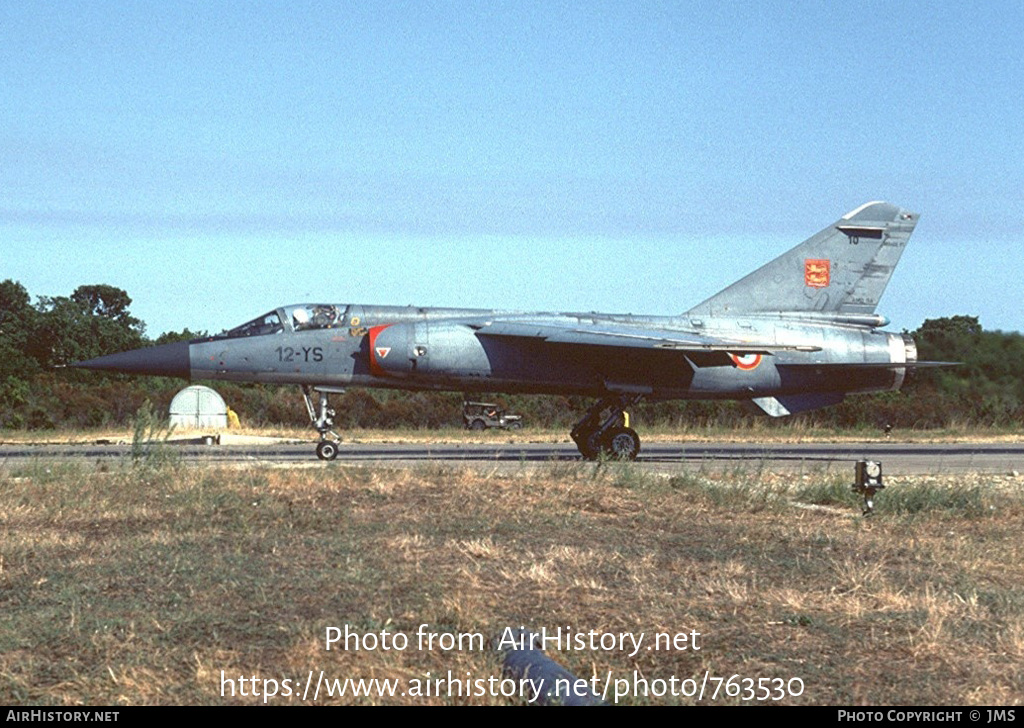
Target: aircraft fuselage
(440,349)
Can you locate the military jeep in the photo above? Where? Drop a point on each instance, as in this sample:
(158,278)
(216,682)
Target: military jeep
(480,416)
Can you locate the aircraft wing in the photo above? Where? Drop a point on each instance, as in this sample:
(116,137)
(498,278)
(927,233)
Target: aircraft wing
(630,337)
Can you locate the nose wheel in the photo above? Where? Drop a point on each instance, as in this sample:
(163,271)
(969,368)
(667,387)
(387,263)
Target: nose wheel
(327,450)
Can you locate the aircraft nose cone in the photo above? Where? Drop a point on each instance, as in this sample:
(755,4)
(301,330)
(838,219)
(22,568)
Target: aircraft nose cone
(167,360)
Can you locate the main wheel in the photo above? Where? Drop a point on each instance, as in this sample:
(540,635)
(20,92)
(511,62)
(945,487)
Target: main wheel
(621,443)
(478,426)
(326,450)
(589,446)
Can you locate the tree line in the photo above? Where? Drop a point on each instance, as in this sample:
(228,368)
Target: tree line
(39,339)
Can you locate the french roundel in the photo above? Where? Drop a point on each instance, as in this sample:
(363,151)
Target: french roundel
(746,362)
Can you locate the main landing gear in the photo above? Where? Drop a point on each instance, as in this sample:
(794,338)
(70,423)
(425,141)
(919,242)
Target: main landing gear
(322,418)
(603,430)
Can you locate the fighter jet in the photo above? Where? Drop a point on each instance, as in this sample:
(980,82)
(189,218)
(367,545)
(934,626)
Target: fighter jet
(798,333)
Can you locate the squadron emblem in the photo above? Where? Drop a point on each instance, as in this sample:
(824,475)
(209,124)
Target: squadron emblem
(817,272)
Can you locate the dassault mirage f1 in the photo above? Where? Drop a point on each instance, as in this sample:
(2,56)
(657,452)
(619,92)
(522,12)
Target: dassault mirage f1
(798,333)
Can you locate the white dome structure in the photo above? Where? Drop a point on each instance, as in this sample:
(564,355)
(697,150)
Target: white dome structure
(197,407)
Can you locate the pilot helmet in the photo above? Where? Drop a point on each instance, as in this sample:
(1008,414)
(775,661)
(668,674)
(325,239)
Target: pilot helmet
(300,316)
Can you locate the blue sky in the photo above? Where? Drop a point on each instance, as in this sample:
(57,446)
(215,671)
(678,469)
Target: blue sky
(218,159)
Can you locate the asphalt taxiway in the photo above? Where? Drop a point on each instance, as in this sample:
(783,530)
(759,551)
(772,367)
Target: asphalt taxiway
(898,458)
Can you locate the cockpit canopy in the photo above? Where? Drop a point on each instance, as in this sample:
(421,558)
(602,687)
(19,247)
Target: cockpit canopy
(315,316)
(268,323)
(299,318)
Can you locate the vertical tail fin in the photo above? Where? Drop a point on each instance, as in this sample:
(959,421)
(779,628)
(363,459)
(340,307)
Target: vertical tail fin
(842,269)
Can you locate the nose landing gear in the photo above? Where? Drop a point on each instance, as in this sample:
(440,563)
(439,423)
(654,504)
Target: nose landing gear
(322,418)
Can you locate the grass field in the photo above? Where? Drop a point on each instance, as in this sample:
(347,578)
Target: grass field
(757,430)
(160,583)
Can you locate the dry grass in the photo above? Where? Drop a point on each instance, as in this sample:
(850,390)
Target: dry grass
(141,585)
(756,430)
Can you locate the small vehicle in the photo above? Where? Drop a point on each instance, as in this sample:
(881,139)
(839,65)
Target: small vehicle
(480,416)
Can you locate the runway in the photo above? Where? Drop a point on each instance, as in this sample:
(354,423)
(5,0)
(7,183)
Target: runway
(897,458)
